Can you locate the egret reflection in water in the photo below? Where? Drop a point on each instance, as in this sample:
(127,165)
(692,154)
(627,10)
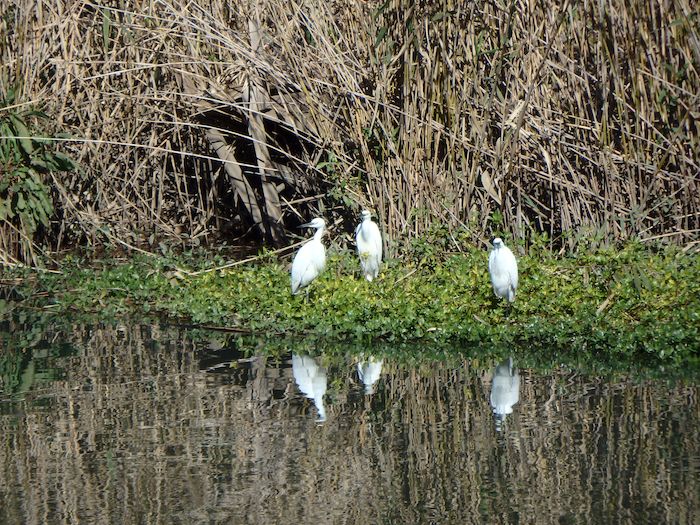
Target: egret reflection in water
(369,372)
(311,380)
(505,390)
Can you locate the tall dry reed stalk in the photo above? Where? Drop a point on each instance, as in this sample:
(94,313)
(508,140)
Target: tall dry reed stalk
(190,119)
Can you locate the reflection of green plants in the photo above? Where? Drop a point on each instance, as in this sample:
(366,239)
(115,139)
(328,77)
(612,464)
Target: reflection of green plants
(25,159)
(25,349)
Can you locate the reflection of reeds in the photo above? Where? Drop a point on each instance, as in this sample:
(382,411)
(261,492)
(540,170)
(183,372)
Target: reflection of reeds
(561,117)
(135,433)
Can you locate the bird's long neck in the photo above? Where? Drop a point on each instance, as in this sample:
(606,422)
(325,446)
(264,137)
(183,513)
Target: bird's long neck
(319,234)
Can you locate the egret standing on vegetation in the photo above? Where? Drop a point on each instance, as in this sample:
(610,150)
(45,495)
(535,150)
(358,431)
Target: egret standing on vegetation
(503,269)
(369,245)
(310,260)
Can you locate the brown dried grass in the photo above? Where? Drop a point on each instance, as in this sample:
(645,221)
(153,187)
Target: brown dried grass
(194,119)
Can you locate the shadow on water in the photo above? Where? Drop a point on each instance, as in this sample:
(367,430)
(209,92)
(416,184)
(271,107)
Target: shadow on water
(154,424)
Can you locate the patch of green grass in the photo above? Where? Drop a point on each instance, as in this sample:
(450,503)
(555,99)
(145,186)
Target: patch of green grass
(632,303)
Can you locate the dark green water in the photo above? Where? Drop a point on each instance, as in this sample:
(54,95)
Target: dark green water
(146,424)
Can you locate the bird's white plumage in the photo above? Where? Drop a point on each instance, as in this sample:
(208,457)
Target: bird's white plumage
(369,372)
(503,269)
(369,245)
(311,380)
(310,260)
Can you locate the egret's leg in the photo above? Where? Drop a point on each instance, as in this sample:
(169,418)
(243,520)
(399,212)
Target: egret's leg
(509,308)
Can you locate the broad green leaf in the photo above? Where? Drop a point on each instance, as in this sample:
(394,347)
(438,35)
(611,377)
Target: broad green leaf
(10,97)
(63,162)
(46,203)
(37,113)
(40,213)
(23,134)
(106,29)
(9,146)
(31,183)
(28,221)
(40,163)
(380,36)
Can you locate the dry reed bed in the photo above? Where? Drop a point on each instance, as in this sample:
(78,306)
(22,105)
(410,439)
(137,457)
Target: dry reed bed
(192,119)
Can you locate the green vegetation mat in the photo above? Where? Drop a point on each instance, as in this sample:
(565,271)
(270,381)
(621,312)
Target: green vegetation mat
(632,304)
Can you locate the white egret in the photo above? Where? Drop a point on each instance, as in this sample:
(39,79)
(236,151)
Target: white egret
(369,245)
(505,391)
(369,372)
(311,380)
(503,269)
(310,260)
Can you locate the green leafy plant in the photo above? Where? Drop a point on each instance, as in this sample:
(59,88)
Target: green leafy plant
(26,203)
(629,304)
